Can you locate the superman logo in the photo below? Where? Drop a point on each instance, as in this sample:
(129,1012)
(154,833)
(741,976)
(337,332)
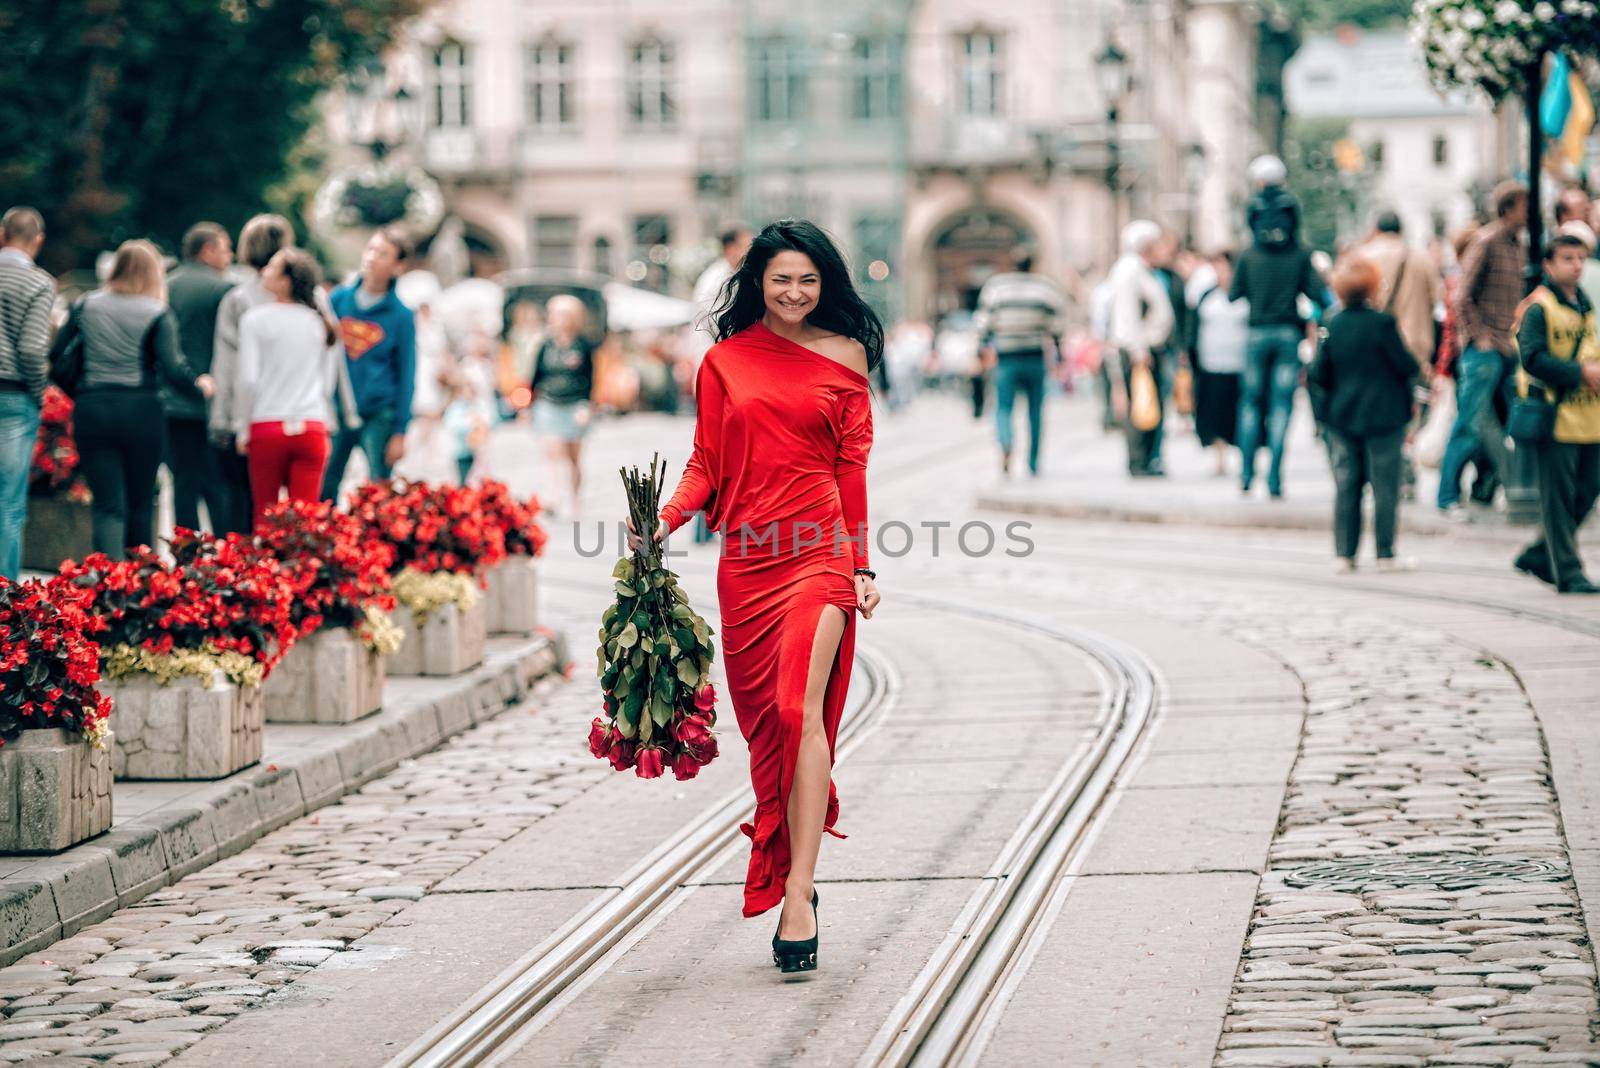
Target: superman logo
(360,335)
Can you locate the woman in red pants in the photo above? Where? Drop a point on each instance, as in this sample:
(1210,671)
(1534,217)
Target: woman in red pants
(288,370)
(782,432)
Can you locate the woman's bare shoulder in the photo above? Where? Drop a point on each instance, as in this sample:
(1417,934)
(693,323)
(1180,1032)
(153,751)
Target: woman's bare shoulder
(846,350)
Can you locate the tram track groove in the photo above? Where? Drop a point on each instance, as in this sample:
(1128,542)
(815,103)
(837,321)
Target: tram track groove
(948,1001)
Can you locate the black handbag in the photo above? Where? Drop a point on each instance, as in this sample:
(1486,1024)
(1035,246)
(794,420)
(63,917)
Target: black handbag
(66,360)
(1531,419)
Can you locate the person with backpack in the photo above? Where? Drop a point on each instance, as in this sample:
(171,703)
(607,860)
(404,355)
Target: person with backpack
(119,346)
(1558,347)
(1272,274)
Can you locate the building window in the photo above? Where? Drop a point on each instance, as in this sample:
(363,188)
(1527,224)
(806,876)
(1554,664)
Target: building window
(652,97)
(1441,150)
(551,96)
(779,92)
(979,61)
(1375,157)
(452,86)
(555,241)
(877,79)
(602,256)
(652,247)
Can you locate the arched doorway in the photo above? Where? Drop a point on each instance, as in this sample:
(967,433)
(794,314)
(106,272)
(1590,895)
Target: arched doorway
(485,252)
(967,249)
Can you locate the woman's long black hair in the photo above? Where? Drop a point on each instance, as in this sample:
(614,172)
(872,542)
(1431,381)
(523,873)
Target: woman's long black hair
(839,308)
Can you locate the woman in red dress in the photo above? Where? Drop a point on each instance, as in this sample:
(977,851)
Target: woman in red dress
(782,432)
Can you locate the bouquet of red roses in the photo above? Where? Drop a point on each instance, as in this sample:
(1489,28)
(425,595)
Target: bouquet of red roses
(49,662)
(654,660)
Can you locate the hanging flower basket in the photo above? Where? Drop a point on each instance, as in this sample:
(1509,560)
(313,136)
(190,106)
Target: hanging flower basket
(378,194)
(1489,44)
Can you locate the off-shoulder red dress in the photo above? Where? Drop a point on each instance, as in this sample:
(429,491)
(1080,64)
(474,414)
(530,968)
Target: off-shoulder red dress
(780,468)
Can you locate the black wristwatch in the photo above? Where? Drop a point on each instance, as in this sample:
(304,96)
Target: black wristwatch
(867,571)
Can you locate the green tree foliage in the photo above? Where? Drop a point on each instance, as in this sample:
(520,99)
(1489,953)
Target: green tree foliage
(138,117)
(1316,16)
(1332,202)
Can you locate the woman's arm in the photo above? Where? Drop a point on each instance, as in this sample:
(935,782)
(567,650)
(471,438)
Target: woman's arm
(169,355)
(850,469)
(246,368)
(697,484)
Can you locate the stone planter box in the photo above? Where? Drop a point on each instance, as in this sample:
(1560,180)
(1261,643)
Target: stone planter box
(450,642)
(511,599)
(329,677)
(55,791)
(57,529)
(184,730)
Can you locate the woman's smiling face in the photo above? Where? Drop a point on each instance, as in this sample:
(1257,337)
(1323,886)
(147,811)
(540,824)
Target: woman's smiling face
(791,285)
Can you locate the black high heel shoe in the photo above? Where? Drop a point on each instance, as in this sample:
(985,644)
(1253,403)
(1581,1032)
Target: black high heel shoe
(799,955)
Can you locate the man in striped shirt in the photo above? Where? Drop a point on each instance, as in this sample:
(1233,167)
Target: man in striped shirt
(27,295)
(1019,320)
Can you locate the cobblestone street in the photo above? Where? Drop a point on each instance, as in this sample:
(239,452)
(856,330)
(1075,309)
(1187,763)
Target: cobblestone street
(1354,821)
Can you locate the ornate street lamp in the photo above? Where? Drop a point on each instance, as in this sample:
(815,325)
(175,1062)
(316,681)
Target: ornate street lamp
(1194,175)
(383,112)
(1116,82)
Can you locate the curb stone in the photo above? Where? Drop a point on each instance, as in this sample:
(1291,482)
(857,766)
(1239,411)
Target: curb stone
(52,897)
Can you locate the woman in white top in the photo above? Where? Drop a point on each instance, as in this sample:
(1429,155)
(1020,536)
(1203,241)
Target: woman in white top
(1222,332)
(288,371)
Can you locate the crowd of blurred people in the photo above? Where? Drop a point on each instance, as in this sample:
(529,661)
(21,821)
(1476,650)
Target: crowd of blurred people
(253,379)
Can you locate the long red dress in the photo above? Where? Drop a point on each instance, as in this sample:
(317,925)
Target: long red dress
(780,468)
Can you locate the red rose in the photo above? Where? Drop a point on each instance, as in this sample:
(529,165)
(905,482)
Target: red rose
(649,765)
(685,766)
(706,698)
(622,753)
(693,732)
(599,738)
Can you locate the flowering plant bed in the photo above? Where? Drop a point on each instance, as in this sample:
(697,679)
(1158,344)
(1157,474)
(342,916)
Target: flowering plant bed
(521,530)
(55,453)
(654,660)
(341,573)
(511,588)
(55,760)
(223,605)
(431,528)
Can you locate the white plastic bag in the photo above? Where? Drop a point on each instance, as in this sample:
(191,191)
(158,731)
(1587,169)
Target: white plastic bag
(1428,447)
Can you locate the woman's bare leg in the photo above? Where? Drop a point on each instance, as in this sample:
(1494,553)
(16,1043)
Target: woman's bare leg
(808,796)
(573,452)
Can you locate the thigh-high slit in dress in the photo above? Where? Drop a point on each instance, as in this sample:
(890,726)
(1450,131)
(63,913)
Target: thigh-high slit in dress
(781,440)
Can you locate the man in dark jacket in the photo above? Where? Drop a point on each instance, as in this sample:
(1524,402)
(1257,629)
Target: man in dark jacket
(380,350)
(195,289)
(1272,277)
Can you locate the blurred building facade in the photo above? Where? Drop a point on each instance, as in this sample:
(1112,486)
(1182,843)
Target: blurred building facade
(1426,155)
(932,137)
